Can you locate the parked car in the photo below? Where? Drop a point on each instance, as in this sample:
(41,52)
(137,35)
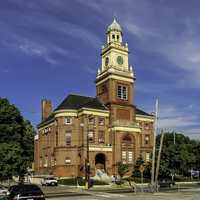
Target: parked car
(3,190)
(25,192)
(166,183)
(50,181)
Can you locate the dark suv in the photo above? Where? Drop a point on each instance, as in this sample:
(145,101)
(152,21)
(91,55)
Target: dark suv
(26,192)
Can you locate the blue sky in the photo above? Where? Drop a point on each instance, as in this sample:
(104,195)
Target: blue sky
(50,48)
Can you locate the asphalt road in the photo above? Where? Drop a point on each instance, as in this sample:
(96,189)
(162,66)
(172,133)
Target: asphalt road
(128,196)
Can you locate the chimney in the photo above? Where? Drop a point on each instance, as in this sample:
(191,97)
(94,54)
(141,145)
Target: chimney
(46,107)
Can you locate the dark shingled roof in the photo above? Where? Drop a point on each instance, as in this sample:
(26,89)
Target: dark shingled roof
(46,121)
(141,112)
(76,102)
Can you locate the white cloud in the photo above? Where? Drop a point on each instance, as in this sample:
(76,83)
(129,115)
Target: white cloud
(195,58)
(34,49)
(91,4)
(43,49)
(80,33)
(171,118)
(139,31)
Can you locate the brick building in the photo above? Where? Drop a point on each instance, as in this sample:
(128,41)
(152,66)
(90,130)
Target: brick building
(110,123)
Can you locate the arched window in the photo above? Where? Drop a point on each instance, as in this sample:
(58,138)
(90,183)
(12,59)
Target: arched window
(127,149)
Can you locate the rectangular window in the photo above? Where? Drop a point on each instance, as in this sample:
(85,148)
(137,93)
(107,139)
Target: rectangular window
(119,91)
(52,161)
(67,160)
(101,137)
(122,92)
(91,120)
(146,126)
(130,156)
(46,162)
(91,136)
(101,121)
(123,155)
(146,139)
(147,157)
(68,136)
(40,162)
(68,120)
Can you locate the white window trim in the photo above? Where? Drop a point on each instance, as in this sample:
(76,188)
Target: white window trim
(67,161)
(66,120)
(147,156)
(101,121)
(122,92)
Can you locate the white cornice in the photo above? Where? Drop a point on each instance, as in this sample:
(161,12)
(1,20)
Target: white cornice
(145,118)
(66,113)
(91,111)
(116,77)
(127,129)
(105,149)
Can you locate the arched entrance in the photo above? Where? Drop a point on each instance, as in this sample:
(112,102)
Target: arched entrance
(100,161)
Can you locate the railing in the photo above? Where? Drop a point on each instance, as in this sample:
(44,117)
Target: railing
(119,44)
(125,123)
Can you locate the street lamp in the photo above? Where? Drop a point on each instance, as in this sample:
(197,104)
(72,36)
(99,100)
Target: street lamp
(87,160)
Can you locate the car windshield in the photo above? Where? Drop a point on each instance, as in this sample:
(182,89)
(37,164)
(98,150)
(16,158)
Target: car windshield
(22,188)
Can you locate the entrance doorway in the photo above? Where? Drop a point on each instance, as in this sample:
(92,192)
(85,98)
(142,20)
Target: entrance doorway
(100,161)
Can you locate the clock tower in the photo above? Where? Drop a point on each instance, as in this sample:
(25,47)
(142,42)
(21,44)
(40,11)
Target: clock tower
(115,88)
(115,77)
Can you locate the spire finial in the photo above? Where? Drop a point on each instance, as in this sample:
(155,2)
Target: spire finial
(114,16)
(114,26)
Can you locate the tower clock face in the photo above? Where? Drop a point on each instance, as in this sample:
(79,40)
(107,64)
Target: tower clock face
(106,61)
(119,60)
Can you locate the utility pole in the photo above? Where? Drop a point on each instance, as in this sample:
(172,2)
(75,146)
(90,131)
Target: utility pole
(174,133)
(87,164)
(159,155)
(154,145)
(87,161)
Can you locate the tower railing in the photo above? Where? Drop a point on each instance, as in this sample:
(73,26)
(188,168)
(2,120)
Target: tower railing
(126,123)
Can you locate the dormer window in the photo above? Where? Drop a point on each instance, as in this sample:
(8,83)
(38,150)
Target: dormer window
(68,120)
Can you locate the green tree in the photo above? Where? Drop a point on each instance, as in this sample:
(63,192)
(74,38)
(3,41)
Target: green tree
(136,170)
(122,169)
(16,141)
(147,168)
(179,157)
